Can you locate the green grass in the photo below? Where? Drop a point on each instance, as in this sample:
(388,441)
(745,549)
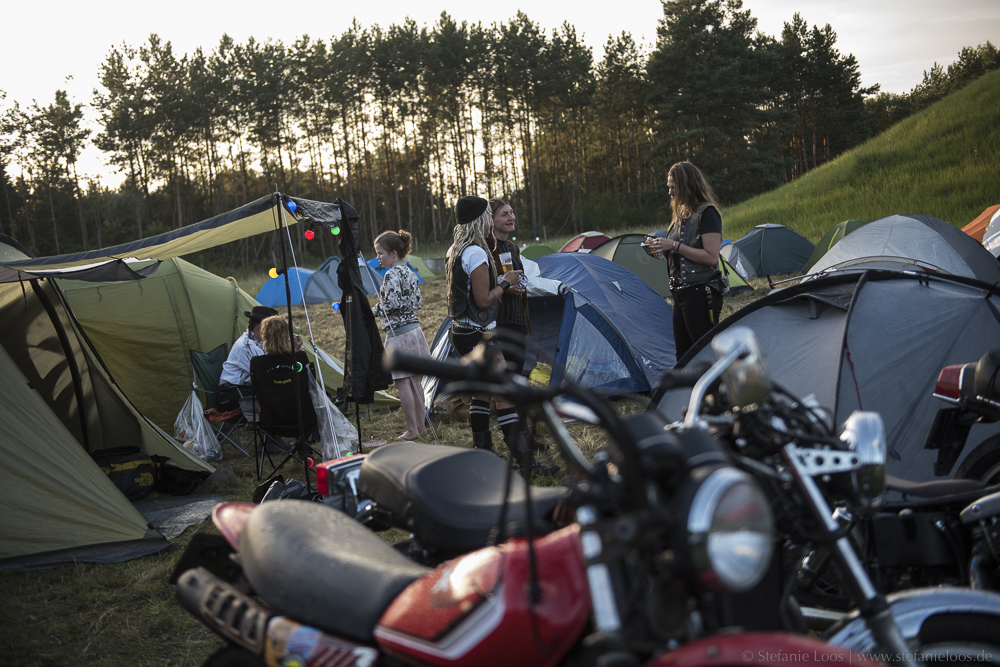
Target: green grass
(941,162)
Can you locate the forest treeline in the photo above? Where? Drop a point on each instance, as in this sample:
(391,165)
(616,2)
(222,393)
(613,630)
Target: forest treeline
(401,121)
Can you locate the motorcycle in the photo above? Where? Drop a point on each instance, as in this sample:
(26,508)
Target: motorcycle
(973,393)
(665,530)
(808,470)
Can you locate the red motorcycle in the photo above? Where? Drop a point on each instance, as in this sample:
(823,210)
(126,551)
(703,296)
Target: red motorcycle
(665,532)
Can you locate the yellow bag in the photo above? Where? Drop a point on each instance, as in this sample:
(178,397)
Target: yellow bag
(540,375)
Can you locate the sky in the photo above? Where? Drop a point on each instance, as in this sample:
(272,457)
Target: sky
(47,41)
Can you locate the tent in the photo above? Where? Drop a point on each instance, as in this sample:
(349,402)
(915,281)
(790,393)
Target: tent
(738,260)
(625,250)
(87,339)
(582,310)
(830,239)
(914,242)
(773,249)
(584,242)
(307,286)
(375,266)
(371,280)
(991,235)
(977,227)
(423,267)
(536,250)
(872,340)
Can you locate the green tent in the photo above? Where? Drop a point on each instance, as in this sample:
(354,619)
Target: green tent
(83,361)
(830,239)
(536,250)
(625,250)
(421,266)
(58,505)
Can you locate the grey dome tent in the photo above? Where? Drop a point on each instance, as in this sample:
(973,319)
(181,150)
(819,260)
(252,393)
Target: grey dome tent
(912,242)
(832,238)
(371,280)
(625,250)
(774,249)
(874,340)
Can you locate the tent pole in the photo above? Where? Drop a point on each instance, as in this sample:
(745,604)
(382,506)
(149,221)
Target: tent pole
(74,369)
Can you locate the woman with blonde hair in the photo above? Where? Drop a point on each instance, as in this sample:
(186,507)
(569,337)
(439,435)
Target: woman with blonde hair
(399,300)
(691,248)
(474,295)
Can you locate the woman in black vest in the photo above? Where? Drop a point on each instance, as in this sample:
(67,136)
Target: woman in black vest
(691,248)
(513,313)
(474,296)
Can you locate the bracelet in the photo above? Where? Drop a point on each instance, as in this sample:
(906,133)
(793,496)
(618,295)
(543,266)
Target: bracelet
(503,284)
(677,244)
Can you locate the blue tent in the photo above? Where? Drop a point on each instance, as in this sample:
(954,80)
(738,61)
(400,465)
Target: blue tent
(306,285)
(377,268)
(605,328)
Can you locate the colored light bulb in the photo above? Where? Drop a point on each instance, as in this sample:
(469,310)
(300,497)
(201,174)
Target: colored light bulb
(273,272)
(292,205)
(336,305)
(335,230)
(310,234)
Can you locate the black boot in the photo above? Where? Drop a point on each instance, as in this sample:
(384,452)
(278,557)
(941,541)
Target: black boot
(482,440)
(521,456)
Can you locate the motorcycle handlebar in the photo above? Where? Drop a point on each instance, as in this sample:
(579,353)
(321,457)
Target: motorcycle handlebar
(472,368)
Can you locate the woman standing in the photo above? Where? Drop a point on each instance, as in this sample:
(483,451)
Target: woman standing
(512,316)
(399,301)
(474,297)
(691,248)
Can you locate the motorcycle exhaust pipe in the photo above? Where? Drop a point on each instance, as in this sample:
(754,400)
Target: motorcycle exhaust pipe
(243,621)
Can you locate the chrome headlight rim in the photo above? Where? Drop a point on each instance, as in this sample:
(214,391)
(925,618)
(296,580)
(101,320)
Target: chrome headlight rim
(864,435)
(722,558)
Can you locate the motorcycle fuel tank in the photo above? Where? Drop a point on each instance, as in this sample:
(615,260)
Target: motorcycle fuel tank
(482,609)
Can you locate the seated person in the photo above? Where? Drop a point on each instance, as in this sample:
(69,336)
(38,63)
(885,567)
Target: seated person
(234,383)
(278,348)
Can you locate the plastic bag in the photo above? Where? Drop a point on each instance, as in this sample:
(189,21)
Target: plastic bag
(540,375)
(337,433)
(192,429)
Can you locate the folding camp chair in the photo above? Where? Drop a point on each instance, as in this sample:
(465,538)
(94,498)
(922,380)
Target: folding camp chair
(282,408)
(207,367)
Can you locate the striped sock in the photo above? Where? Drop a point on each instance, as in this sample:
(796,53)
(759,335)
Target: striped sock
(508,418)
(479,415)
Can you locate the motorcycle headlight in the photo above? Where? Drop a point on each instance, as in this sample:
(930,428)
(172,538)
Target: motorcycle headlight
(864,434)
(730,531)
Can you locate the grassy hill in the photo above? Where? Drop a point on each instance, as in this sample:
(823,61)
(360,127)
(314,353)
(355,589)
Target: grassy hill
(943,161)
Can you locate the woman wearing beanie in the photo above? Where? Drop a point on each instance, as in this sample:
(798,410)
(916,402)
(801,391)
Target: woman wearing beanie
(474,296)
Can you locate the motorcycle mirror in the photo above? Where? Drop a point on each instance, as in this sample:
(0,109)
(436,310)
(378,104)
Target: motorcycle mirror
(746,377)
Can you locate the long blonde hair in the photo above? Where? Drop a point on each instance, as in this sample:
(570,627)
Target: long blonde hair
(474,232)
(691,189)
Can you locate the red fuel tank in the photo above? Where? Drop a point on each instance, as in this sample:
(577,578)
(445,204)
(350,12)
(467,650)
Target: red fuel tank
(477,609)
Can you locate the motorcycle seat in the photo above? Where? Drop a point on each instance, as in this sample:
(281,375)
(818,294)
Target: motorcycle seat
(449,497)
(323,568)
(938,488)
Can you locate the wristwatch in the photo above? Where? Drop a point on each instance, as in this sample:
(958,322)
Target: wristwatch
(504,285)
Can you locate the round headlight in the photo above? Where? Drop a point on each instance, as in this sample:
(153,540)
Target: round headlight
(864,434)
(730,531)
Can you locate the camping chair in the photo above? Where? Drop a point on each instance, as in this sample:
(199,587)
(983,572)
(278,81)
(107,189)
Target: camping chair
(207,367)
(278,413)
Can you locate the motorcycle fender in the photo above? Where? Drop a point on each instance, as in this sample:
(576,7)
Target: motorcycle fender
(760,649)
(911,610)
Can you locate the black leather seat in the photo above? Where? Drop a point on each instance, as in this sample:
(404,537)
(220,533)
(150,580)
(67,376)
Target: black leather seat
(323,568)
(449,497)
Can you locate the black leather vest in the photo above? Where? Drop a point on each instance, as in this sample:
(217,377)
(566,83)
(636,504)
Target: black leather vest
(684,272)
(461,305)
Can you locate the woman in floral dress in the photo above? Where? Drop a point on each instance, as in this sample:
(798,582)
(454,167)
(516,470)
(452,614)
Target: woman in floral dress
(399,301)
